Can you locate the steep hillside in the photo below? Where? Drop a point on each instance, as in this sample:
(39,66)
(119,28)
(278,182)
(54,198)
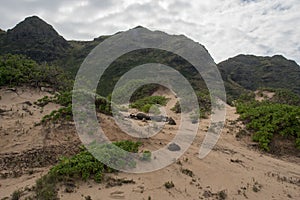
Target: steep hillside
(253,72)
(36,39)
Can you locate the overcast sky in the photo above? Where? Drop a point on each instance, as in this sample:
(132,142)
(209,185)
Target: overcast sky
(225,27)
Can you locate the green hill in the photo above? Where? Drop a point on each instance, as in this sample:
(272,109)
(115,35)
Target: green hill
(34,38)
(253,72)
(39,41)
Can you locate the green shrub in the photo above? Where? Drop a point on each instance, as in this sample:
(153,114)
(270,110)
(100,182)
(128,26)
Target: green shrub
(45,188)
(62,114)
(146,156)
(148,108)
(84,165)
(103,105)
(176,108)
(267,119)
(17,69)
(146,103)
(16,195)
(169,185)
(284,96)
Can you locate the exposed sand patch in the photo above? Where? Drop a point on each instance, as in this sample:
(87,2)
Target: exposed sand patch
(263,95)
(232,167)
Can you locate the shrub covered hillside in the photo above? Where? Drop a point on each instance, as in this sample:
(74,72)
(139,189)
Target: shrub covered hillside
(270,118)
(17,70)
(252,72)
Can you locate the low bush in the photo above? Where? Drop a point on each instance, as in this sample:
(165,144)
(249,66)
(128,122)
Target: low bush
(85,166)
(267,119)
(169,185)
(146,156)
(146,103)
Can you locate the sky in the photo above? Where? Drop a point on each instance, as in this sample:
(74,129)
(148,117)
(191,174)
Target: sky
(225,27)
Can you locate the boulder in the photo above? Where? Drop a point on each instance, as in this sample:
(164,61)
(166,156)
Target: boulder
(171,121)
(174,147)
(141,116)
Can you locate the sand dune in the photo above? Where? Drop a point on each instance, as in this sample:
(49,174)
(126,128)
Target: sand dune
(233,170)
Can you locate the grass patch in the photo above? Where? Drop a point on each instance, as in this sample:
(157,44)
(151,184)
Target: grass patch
(146,103)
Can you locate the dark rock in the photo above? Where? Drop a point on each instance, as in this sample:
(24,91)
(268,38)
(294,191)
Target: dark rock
(194,121)
(171,121)
(157,118)
(174,147)
(69,189)
(27,103)
(2,111)
(141,116)
(207,194)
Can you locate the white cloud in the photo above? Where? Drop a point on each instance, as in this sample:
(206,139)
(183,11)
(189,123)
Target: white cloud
(225,27)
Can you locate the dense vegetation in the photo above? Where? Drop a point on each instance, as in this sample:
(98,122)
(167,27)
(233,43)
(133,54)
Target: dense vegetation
(285,96)
(268,119)
(85,166)
(252,72)
(16,70)
(146,103)
(65,113)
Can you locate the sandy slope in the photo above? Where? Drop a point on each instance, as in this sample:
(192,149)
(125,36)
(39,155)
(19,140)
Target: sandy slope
(26,148)
(232,168)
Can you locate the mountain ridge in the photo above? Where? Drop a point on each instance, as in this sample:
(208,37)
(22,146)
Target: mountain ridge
(34,38)
(254,72)
(38,40)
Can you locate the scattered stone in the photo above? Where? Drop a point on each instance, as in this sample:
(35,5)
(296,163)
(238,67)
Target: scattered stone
(141,116)
(12,89)
(159,118)
(2,111)
(47,89)
(174,147)
(222,194)
(27,103)
(194,121)
(88,197)
(236,161)
(112,182)
(169,185)
(207,194)
(139,189)
(69,189)
(117,195)
(171,121)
